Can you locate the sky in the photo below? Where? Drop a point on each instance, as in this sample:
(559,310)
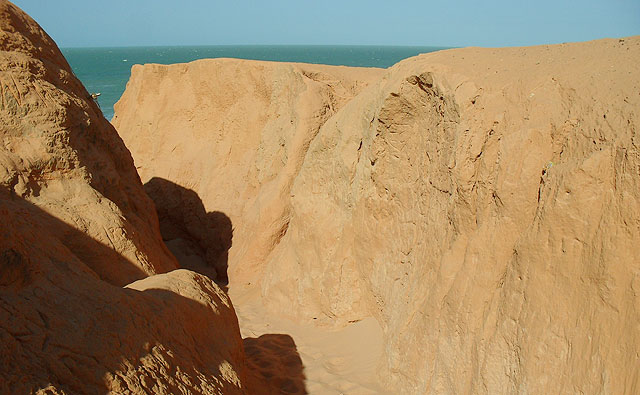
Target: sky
(92,23)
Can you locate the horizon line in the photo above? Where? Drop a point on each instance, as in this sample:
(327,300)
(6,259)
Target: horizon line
(259,45)
(342,45)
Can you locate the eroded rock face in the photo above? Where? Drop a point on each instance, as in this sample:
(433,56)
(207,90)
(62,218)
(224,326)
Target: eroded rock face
(76,226)
(482,204)
(62,330)
(199,239)
(62,155)
(235,133)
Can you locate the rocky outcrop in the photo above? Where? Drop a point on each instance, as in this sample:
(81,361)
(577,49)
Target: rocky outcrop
(482,204)
(62,155)
(76,227)
(235,133)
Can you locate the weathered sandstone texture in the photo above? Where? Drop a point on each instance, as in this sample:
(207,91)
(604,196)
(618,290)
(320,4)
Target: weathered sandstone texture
(60,154)
(233,133)
(482,204)
(76,225)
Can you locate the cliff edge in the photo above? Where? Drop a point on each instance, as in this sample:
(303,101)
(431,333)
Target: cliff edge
(228,136)
(481,204)
(484,205)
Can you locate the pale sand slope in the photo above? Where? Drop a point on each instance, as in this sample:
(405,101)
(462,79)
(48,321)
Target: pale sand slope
(319,359)
(76,225)
(481,204)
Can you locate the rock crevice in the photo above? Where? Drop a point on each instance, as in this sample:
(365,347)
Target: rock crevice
(484,212)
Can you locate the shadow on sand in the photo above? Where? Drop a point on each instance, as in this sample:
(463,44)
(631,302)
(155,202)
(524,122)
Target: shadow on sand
(67,326)
(201,241)
(275,358)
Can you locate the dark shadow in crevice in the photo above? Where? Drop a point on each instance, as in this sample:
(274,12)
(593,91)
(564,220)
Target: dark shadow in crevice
(274,359)
(200,240)
(67,328)
(51,301)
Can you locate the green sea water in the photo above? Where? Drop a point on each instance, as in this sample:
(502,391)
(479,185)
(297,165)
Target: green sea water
(107,70)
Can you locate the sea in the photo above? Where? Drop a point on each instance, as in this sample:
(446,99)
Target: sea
(107,70)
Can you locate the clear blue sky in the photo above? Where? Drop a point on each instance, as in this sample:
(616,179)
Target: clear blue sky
(82,23)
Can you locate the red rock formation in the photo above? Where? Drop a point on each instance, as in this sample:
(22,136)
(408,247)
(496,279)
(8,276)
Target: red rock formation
(61,154)
(76,226)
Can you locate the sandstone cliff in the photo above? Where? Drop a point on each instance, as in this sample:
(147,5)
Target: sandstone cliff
(481,204)
(76,226)
(484,203)
(234,133)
